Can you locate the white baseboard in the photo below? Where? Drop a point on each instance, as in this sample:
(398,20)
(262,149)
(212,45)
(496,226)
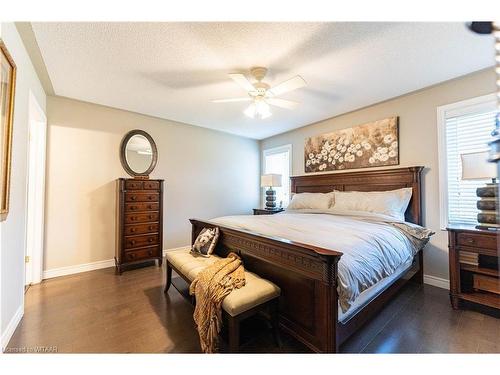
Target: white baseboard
(165,251)
(70,270)
(11,327)
(63,271)
(437,281)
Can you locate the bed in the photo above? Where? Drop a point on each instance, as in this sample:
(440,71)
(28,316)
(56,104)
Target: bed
(308,273)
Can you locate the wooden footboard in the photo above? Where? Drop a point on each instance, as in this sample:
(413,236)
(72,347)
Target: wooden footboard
(306,275)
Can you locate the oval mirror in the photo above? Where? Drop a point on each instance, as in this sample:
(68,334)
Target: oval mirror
(138,153)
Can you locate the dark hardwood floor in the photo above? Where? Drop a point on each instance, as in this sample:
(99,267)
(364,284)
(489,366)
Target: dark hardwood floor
(100,312)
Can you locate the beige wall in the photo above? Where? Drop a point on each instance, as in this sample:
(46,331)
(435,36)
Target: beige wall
(13,229)
(207,174)
(418,144)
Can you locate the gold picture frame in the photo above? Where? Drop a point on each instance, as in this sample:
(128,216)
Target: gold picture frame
(7,97)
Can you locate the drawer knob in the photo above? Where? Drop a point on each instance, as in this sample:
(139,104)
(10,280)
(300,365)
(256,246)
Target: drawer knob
(132,207)
(150,252)
(470,240)
(150,197)
(132,230)
(151,216)
(150,227)
(133,218)
(150,240)
(131,256)
(133,197)
(132,242)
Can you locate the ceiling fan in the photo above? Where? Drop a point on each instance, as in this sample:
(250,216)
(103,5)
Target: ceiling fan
(261,94)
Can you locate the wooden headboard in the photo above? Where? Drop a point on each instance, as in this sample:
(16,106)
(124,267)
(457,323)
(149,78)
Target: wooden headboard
(378,180)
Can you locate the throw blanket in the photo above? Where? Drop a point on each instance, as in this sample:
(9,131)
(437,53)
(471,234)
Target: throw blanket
(210,288)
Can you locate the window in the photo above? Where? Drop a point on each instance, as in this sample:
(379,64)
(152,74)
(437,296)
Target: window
(279,160)
(462,128)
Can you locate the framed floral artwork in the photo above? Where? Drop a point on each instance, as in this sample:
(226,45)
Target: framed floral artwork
(7,93)
(374,144)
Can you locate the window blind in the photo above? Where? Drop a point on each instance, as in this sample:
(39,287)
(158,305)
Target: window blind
(278,161)
(467,132)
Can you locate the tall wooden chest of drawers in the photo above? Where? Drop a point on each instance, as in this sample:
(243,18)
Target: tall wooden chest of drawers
(139,222)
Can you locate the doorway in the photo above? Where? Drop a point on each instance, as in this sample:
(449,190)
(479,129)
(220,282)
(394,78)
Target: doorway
(35,193)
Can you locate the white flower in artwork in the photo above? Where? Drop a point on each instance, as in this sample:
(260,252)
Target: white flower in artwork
(384,157)
(323,165)
(376,156)
(324,152)
(325,157)
(359,153)
(358,146)
(371,160)
(367,146)
(383,150)
(343,149)
(341,140)
(308,163)
(392,153)
(350,159)
(346,142)
(341,159)
(388,138)
(394,144)
(337,155)
(339,147)
(330,159)
(347,155)
(311,156)
(319,156)
(333,162)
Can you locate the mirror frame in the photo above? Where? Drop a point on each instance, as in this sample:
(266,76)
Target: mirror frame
(123,156)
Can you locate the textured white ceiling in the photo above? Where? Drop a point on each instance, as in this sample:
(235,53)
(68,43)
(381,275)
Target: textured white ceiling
(173,70)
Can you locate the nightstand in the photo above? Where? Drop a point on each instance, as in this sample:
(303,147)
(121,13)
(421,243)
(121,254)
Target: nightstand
(474,267)
(263,211)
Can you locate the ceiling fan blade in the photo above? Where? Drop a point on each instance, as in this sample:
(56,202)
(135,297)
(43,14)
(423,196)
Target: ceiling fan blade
(289,85)
(247,99)
(242,81)
(283,103)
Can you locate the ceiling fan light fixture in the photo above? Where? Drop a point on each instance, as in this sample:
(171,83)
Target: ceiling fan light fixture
(250,111)
(258,109)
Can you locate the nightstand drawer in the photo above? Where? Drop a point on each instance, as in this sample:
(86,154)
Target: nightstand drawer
(477,240)
(486,283)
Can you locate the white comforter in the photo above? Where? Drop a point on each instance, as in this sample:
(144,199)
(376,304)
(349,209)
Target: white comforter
(373,246)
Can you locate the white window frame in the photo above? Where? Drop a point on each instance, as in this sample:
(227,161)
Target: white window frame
(271,151)
(463,107)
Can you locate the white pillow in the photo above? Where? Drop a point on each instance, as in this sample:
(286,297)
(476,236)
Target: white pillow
(316,201)
(391,203)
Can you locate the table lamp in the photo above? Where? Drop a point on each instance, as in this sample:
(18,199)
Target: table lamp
(270,181)
(475,166)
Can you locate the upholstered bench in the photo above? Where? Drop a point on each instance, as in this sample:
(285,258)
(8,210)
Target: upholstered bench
(258,294)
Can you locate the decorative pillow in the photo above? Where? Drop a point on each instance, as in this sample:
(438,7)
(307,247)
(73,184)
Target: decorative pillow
(316,201)
(205,242)
(391,203)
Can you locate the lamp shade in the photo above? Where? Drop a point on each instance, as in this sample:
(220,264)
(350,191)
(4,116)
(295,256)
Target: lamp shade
(270,180)
(475,166)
